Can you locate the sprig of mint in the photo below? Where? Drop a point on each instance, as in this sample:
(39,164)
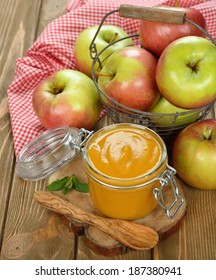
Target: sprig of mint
(67,183)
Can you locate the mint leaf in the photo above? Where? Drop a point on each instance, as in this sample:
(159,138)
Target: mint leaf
(66,184)
(58,185)
(80,187)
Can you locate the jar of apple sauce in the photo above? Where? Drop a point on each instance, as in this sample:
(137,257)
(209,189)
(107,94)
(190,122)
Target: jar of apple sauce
(126,167)
(126,164)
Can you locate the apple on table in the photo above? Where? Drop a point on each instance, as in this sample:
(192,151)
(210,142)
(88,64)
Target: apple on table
(186,72)
(156,36)
(128,76)
(106,35)
(194,154)
(67,97)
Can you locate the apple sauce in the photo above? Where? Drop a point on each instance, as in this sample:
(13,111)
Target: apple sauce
(123,162)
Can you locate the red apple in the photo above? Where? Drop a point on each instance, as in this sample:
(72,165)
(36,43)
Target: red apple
(156,36)
(106,35)
(186,72)
(194,154)
(67,97)
(128,76)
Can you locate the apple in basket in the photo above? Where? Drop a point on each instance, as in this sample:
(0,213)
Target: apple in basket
(165,114)
(107,35)
(186,72)
(67,97)
(128,76)
(156,36)
(194,154)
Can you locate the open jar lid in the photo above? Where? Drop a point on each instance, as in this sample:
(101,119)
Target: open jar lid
(48,152)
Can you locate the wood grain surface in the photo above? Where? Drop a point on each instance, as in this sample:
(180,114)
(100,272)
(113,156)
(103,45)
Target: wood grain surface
(27,230)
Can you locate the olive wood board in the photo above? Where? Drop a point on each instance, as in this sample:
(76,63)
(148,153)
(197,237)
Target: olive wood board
(100,242)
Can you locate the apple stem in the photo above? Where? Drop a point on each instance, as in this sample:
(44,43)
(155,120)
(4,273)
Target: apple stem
(56,91)
(207,133)
(114,37)
(103,74)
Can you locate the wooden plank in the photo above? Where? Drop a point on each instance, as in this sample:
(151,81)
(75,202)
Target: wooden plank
(49,11)
(16,36)
(31,232)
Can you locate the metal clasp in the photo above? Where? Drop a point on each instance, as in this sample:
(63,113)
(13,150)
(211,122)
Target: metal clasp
(166,179)
(83,136)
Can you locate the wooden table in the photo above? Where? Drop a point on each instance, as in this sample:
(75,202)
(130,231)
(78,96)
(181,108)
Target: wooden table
(27,230)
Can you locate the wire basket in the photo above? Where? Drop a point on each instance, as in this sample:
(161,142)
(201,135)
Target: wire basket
(164,124)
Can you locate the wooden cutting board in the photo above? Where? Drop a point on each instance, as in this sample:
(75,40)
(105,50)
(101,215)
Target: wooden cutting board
(100,242)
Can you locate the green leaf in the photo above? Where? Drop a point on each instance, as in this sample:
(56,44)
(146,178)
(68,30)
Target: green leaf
(65,190)
(58,185)
(66,184)
(80,187)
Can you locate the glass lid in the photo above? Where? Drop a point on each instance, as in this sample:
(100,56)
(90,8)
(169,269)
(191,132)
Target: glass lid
(47,153)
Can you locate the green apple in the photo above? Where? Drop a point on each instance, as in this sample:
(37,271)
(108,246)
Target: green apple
(67,97)
(194,154)
(186,72)
(165,114)
(107,34)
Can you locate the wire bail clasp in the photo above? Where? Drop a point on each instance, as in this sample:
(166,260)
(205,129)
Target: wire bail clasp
(83,136)
(167,179)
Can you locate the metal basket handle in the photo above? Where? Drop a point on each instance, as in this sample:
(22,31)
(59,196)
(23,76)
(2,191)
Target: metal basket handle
(161,15)
(146,13)
(140,12)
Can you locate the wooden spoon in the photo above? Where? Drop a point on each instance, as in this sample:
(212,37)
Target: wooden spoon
(133,235)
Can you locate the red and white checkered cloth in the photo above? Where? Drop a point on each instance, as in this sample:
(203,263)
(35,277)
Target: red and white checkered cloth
(53,51)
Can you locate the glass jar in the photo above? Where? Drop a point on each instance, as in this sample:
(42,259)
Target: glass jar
(126,167)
